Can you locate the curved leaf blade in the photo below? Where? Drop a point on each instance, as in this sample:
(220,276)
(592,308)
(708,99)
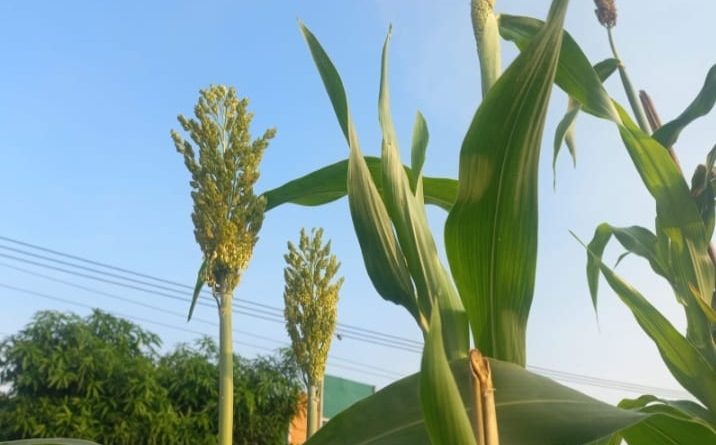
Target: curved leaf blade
(491,231)
(634,239)
(409,219)
(670,422)
(702,104)
(565,134)
(197,289)
(685,361)
(417,152)
(331,80)
(328,184)
(575,75)
(384,259)
(531,410)
(565,129)
(444,411)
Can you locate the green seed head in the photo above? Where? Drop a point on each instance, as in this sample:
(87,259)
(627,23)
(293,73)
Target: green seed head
(224,167)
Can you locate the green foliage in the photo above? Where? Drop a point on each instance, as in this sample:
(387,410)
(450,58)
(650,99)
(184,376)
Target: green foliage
(329,183)
(387,206)
(266,391)
(531,410)
(227,214)
(677,250)
(311,298)
(89,378)
(100,378)
(491,231)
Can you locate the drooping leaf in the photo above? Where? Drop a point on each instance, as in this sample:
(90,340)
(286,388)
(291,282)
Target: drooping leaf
(384,259)
(491,231)
(635,239)
(329,184)
(686,408)
(197,289)
(700,106)
(565,134)
(681,232)
(409,219)
(575,75)
(331,80)
(677,422)
(565,129)
(417,152)
(531,410)
(686,363)
(444,410)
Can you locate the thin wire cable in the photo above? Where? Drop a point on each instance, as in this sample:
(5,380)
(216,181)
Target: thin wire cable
(382,371)
(378,373)
(242,304)
(559,375)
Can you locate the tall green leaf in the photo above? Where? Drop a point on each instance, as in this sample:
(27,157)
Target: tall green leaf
(329,184)
(417,152)
(700,106)
(443,409)
(491,231)
(531,410)
(411,226)
(383,257)
(680,230)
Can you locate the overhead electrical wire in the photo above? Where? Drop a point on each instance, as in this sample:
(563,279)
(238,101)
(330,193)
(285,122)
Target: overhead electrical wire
(373,370)
(261,311)
(241,306)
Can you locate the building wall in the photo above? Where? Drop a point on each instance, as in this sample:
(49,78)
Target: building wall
(338,394)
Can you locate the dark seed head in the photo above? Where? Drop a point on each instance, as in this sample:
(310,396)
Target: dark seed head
(606,12)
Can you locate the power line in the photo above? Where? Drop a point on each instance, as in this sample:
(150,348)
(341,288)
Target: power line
(372,370)
(180,315)
(272,314)
(382,372)
(241,309)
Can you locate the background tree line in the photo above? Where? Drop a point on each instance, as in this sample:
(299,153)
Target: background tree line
(103,378)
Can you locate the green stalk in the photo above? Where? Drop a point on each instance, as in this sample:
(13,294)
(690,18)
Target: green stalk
(312,413)
(226,371)
(487,37)
(628,88)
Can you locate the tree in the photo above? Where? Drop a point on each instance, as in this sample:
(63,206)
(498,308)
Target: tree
(100,378)
(227,214)
(266,391)
(311,298)
(90,378)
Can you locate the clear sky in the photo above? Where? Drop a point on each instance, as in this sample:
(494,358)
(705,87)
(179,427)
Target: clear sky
(89,91)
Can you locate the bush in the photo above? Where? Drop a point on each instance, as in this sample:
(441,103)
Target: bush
(101,378)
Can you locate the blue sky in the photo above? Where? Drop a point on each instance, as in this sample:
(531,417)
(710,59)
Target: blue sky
(90,91)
